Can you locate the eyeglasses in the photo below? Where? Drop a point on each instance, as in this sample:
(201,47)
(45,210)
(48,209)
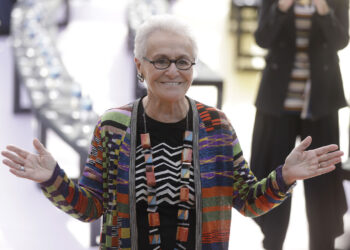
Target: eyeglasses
(164,63)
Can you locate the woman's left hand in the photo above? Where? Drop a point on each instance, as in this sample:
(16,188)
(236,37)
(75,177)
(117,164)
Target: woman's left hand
(321,7)
(301,164)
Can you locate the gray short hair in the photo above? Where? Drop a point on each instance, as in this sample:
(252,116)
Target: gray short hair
(164,22)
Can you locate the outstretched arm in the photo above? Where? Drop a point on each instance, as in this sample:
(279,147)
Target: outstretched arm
(81,200)
(303,164)
(253,198)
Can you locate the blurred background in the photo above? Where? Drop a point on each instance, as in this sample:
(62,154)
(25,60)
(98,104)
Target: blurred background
(64,62)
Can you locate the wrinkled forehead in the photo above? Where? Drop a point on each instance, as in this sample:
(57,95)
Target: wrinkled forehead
(168,43)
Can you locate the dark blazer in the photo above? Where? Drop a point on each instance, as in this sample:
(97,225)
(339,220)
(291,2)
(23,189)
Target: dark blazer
(329,33)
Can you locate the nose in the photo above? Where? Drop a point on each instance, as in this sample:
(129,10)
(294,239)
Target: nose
(172,71)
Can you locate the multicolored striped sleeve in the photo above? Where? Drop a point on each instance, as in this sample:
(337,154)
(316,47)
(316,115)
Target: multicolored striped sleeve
(250,196)
(81,200)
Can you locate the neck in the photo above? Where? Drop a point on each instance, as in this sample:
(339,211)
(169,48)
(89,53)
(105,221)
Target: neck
(165,111)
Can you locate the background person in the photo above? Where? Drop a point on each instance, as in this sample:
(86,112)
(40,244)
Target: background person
(300,94)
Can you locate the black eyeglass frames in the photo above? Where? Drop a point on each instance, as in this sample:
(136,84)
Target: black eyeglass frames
(164,63)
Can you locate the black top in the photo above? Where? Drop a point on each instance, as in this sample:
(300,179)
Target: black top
(167,144)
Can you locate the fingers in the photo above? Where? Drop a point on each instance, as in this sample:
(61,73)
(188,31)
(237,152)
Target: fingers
(39,147)
(15,160)
(330,163)
(304,144)
(327,162)
(16,169)
(13,157)
(324,170)
(329,156)
(331,160)
(22,153)
(326,149)
(326,166)
(12,164)
(18,173)
(319,151)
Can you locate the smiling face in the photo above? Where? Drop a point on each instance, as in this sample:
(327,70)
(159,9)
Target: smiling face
(171,84)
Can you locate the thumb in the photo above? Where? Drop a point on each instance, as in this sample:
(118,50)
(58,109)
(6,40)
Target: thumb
(39,147)
(304,144)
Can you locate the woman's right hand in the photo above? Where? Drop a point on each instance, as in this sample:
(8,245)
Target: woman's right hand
(284,5)
(36,167)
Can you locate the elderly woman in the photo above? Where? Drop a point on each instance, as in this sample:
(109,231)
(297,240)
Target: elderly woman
(165,171)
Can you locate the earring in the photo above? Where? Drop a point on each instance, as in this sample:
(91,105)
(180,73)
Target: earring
(140,77)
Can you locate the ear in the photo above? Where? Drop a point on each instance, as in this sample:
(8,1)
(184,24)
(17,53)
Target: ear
(138,64)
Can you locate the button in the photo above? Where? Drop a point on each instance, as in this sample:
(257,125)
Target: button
(325,67)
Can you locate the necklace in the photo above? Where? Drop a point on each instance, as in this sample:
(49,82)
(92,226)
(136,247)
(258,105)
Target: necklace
(152,209)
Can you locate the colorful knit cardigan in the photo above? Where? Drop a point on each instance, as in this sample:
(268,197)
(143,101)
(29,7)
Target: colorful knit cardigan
(223,177)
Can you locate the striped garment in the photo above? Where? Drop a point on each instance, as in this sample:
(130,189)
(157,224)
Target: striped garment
(167,162)
(167,153)
(222,180)
(297,99)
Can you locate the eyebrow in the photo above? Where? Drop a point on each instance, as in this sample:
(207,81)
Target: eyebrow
(165,56)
